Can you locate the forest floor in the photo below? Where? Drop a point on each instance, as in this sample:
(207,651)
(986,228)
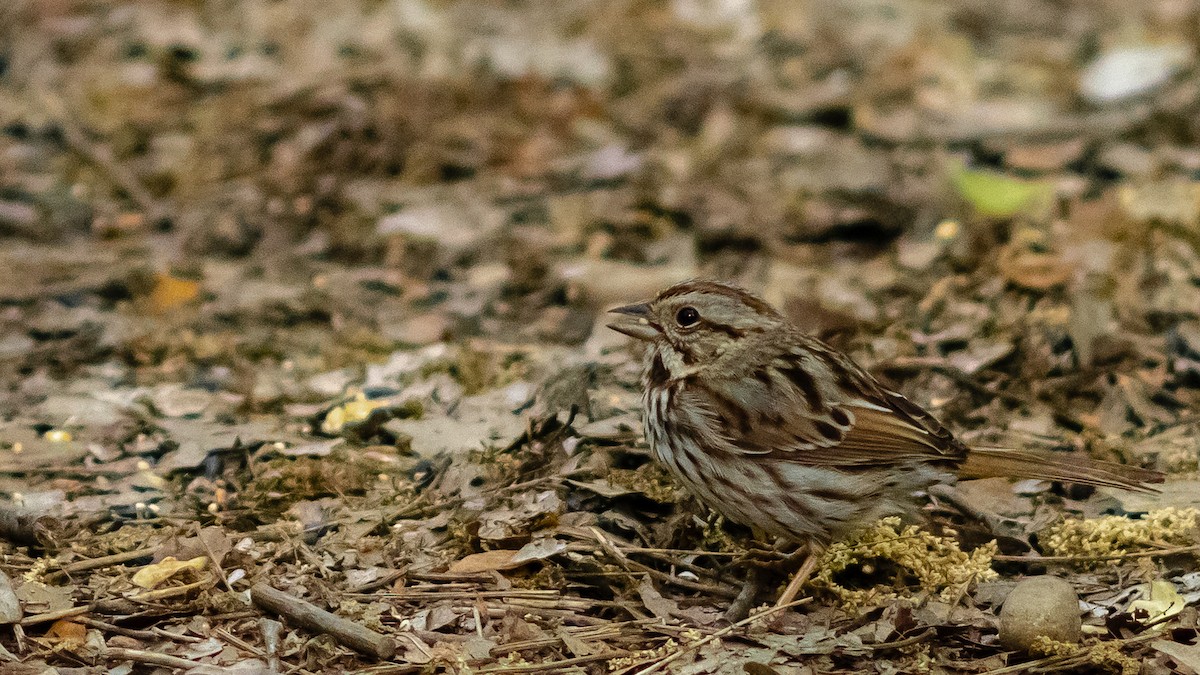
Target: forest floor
(303,365)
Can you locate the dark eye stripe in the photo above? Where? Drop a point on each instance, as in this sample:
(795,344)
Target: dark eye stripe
(731,331)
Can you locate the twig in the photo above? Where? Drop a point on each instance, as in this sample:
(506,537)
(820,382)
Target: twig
(680,551)
(56,615)
(467,595)
(632,565)
(105,561)
(238,642)
(605,632)
(1109,122)
(119,630)
(212,560)
(69,471)
(152,658)
(919,637)
(311,617)
(1059,661)
(385,580)
(550,666)
(1097,558)
(659,663)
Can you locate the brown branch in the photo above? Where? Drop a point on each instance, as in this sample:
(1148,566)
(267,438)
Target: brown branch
(311,617)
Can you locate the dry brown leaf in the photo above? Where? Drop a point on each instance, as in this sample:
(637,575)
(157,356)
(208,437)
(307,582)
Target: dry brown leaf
(1031,269)
(68,632)
(488,561)
(153,575)
(172,292)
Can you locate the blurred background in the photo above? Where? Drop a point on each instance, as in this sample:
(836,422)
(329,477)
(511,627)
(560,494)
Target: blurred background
(328,279)
(1013,184)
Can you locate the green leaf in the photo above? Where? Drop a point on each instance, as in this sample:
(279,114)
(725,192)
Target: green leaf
(998,195)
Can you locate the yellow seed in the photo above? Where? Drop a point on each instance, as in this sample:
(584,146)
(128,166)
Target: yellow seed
(946,230)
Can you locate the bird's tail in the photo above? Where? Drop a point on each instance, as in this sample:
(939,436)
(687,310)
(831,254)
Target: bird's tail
(994,462)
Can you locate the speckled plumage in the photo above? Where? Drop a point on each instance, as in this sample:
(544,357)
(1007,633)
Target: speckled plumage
(774,429)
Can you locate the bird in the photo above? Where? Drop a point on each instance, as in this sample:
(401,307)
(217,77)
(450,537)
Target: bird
(774,429)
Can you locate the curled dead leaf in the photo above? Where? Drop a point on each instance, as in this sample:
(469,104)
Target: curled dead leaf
(1034,270)
(170,292)
(488,561)
(153,575)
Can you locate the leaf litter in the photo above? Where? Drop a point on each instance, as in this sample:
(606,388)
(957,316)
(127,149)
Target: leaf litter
(304,366)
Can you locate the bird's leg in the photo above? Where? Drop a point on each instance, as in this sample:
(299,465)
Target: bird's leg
(741,605)
(812,559)
(808,556)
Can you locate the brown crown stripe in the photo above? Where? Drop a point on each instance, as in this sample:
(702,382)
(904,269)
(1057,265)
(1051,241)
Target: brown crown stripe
(749,299)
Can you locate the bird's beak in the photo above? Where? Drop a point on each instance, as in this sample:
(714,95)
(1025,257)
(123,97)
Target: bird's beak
(636,321)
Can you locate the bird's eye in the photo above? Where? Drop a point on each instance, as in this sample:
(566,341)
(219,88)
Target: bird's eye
(687,317)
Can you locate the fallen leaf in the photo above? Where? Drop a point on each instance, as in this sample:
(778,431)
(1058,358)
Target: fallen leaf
(539,550)
(1184,655)
(998,195)
(67,631)
(488,561)
(151,576)
(1159,600)
(659,606)
(171,292)
(1034,270)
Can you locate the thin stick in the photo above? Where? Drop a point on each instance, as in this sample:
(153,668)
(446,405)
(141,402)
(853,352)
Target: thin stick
(1097,558)
(114,628)
(793,588)
(1060,659)
(631,565)
(548,666)
(152,658)
(311,617)
(896,644)
(427,594)
(106,561)
(56,615)
(659,663)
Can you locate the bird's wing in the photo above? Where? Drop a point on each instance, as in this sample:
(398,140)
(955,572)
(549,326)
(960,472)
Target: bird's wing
(819,408)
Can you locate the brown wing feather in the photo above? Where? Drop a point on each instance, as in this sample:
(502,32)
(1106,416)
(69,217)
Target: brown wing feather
(813,406)
(816,407)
